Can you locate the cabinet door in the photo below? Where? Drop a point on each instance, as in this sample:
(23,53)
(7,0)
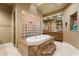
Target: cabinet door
(60,36)
(54,34)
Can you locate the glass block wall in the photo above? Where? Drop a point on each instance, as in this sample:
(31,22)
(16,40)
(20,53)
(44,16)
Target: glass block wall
(30,24)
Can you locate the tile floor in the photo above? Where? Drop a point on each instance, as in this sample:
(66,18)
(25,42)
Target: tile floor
(65,49)
(8,49)
(62,49)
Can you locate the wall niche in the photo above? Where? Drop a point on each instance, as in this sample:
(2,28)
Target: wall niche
(73,22)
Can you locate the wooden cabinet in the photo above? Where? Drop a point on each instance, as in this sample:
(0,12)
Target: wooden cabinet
(60,36)
(57,35)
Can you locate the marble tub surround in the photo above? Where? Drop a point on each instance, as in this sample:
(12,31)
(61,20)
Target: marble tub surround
(8,49)
(38,50)
(35,48)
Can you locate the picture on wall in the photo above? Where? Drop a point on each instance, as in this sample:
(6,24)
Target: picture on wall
(73,22)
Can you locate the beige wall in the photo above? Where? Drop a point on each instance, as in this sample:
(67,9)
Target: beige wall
(71,37)
(68,36)
(5,24)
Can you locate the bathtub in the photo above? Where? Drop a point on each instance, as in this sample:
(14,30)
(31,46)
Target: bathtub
(35,45)
(36,40)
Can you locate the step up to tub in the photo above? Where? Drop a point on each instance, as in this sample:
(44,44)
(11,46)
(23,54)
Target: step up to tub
(49,50)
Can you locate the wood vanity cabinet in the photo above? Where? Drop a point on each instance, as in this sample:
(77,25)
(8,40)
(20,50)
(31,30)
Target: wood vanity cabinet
(57,35)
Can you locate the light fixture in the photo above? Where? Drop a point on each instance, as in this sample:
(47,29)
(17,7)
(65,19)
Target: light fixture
(59,16)
(45,18)
(51,17)
(23,12)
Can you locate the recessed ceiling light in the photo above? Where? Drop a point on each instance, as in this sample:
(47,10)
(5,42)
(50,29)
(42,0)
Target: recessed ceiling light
(59,16)
(23,11)
(51,17)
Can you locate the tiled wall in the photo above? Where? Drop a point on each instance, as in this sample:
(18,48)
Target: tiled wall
(30,24)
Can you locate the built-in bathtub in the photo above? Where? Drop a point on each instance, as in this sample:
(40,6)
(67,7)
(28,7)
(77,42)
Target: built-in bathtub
(35,40)
(36,45)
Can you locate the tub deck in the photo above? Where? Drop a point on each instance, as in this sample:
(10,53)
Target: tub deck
(36,49)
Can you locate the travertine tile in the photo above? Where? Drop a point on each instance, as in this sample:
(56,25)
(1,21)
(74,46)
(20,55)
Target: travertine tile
(8,49)
(65,49)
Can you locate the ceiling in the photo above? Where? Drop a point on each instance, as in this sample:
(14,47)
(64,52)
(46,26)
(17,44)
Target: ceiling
(49,8)
(46,8)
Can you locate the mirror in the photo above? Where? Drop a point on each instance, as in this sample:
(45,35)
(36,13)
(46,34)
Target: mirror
(54,23)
